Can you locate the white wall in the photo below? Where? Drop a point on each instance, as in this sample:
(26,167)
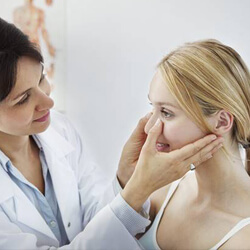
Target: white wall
(113,47)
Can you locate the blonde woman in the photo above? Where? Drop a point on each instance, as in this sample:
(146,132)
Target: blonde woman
(202,87)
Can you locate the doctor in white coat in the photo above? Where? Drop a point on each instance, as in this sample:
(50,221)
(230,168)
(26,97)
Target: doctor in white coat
(51,196)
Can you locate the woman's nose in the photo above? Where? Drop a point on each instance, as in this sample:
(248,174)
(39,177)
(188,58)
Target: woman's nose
(44,101)
(45,104)
(150,123)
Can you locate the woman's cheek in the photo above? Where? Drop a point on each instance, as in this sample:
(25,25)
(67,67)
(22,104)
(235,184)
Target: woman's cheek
(24,116)
(173,133)
(180,134)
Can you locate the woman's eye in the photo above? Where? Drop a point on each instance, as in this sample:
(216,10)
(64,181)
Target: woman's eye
(25,99)
(166,114)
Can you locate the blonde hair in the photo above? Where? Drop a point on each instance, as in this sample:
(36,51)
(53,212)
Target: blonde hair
(208,76)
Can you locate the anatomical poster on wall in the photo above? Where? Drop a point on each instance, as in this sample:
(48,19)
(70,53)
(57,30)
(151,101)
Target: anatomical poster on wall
(44,21)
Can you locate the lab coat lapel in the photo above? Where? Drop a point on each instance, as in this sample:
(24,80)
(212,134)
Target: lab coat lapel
(28,215)
(56,148)
(23,210)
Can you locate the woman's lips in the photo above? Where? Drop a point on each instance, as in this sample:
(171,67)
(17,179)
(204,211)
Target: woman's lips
(162,147)
(44,118)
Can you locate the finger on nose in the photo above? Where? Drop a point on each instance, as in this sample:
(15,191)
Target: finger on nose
(150,124)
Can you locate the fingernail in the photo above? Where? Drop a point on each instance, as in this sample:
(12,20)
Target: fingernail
(214,137)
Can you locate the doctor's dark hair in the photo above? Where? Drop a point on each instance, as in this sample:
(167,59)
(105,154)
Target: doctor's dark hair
(13,45)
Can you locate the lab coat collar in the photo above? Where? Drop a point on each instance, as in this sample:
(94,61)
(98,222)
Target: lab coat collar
(11,196)
(49,138)
(6,186)
(51,141)
(4,160)
(55,148)
(65,184)
(54,142)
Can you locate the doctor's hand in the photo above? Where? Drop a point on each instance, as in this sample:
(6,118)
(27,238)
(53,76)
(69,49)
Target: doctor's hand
(131,151)
(156,169)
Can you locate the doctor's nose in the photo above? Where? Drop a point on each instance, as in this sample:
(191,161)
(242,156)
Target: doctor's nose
(44,102)
(151,122)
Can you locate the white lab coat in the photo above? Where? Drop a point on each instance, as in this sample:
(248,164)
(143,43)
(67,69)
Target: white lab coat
(79,194)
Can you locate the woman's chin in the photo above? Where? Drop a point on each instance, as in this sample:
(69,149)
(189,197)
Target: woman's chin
(41,127)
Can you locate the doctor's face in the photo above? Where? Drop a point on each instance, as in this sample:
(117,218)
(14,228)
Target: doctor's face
(25,110)
(178,129)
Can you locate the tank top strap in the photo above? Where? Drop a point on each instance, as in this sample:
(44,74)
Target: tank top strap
(232,232)
(170,193)
(148,240)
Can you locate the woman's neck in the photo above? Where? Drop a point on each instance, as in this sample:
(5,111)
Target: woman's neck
(222,178)
(16,146)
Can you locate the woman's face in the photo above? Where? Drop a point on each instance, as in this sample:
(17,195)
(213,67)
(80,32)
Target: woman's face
(178,129)
(25,110)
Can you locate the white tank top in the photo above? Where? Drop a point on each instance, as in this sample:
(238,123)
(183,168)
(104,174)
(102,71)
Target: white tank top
(148,240)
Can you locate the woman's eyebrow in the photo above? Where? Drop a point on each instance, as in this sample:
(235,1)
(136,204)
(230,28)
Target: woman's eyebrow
(164,103)
(29,88)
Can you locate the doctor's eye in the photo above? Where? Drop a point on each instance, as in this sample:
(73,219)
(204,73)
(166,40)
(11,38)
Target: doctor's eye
(24,99)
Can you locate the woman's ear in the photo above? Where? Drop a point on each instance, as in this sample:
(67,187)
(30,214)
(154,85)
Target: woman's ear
(222,122)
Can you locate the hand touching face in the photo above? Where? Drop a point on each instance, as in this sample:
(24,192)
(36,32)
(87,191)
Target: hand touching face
(178,129)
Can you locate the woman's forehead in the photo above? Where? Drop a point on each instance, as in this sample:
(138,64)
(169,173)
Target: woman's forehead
(159,92)
(28,73)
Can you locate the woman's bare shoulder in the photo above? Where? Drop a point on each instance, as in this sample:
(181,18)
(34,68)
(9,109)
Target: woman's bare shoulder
(157,198)
(240,240)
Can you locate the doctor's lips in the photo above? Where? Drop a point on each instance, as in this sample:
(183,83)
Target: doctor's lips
(43,118)
(162,147)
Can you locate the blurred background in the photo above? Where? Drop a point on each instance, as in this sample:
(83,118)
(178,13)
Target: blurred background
(101,55)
